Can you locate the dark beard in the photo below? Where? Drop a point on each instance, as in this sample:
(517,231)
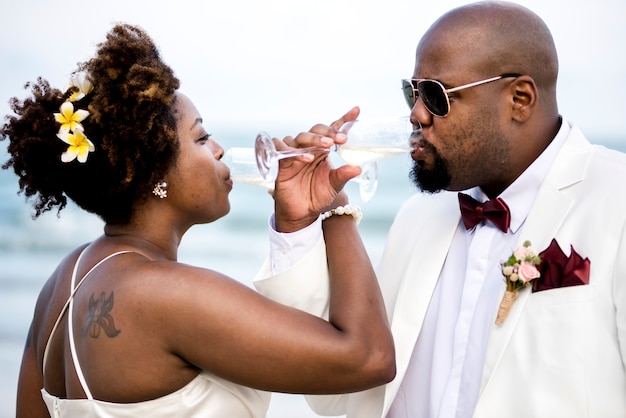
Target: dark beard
(431,181)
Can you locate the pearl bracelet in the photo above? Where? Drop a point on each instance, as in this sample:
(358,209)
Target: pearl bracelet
(355,211)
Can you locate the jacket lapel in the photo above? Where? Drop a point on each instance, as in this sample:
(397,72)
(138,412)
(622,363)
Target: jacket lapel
(542,224)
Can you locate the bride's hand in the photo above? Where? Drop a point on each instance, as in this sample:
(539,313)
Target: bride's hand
(308,185)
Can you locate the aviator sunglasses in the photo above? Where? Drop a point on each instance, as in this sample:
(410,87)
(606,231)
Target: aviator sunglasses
(434,95)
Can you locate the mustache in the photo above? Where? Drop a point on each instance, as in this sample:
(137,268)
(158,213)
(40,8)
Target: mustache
(431,180)
(419,141)
(416,138)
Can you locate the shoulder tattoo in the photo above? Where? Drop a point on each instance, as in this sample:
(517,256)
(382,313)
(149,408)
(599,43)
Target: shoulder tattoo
(99,317)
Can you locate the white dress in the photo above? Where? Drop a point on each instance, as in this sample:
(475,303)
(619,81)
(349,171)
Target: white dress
(206,396)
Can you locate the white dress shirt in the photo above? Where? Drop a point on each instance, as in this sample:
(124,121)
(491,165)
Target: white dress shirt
(444,374)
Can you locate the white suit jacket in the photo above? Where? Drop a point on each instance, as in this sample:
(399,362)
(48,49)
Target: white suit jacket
(561,352)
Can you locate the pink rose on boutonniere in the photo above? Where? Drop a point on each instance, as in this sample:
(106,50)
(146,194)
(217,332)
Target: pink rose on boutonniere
(518,271)
(528,271)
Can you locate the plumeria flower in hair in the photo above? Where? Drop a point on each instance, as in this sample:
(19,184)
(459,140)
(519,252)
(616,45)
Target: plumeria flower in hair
(83,86)
(70,120)
(79,146)
(71,131)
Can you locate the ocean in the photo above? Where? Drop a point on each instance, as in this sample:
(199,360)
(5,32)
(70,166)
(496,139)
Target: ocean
(235,245)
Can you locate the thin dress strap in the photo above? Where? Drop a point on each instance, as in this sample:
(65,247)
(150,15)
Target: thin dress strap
(69,304)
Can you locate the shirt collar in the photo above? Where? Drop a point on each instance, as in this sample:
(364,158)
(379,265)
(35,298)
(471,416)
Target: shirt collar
(520,195)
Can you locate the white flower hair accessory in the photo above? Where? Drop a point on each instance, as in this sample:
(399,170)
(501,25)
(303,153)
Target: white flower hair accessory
(71,130)
(83,86)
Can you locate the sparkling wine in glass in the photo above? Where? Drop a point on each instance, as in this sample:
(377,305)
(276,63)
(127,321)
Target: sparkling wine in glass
(368,141)
(243,167)
(375,139)
(268,157)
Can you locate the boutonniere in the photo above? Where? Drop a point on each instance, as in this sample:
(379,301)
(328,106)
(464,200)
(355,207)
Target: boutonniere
(518,271)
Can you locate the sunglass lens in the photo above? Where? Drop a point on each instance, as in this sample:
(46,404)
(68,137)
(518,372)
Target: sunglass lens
(409,93)
(434,97)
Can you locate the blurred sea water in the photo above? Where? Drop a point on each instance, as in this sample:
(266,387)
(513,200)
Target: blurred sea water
(235,245)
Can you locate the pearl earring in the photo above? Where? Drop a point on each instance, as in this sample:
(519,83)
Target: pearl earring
(160,189)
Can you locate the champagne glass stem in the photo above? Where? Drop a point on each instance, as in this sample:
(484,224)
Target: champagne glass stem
(267,156)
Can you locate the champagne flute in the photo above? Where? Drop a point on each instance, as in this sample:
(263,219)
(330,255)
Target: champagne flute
(375,139)
(267,157)
(242,163)
(368,141)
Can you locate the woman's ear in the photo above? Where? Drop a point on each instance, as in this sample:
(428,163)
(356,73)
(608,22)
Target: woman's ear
(524,97)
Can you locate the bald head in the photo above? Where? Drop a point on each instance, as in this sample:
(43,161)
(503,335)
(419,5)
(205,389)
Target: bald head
(493,132)
(491,38)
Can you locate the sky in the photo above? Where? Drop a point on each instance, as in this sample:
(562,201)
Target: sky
(284,65)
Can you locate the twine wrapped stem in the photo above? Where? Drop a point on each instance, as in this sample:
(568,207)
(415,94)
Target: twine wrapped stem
(505,306)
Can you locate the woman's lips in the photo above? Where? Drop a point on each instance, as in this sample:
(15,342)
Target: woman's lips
(229,180)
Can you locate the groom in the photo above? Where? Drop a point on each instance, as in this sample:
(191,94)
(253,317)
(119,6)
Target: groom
(484,91)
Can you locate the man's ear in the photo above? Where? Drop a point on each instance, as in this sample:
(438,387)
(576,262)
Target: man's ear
(524,97)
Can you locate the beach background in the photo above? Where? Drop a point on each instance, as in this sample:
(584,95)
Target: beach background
(279,66)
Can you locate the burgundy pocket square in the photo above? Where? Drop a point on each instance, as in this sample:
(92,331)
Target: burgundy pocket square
(558,270)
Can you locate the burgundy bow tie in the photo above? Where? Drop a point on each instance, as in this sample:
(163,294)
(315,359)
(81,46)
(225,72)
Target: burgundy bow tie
(495,210)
